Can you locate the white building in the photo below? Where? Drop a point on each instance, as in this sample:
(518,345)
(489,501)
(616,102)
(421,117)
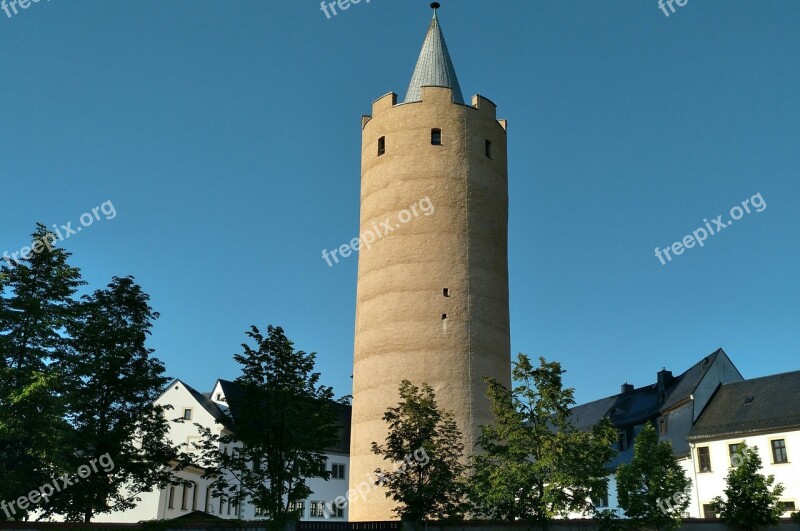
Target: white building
(762,412)
(705,413)
(209,410)
(672,404)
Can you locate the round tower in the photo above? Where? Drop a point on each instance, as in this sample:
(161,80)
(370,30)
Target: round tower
(432,301)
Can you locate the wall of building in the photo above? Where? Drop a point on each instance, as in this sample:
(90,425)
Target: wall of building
(712,484)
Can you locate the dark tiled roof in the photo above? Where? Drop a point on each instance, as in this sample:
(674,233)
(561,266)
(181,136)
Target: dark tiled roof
(208,404)
(761,404)
(637,406)
(233,394)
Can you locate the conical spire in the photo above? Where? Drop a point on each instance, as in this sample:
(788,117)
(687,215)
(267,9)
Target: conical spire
(434,67)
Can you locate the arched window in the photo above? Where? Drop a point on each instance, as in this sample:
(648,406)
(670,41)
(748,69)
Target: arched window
(171,501)
(436,137)
(209,492)
(381,146)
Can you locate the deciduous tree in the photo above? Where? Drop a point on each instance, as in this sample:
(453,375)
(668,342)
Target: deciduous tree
(751,499)
(283,421)
(653,488)
(536,465)
(424,443)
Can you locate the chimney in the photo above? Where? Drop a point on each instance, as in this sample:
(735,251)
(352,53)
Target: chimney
(627,388)
(664,378)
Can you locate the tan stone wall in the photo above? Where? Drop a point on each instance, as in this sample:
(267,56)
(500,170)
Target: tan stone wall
(461,246)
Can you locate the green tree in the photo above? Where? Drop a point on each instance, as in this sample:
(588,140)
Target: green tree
(113,380)
(750,501)
(427,481)
(288,422)
(653,488)
(36,305)
(535,464)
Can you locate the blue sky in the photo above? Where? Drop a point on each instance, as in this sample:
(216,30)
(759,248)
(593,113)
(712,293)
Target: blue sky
(227,136)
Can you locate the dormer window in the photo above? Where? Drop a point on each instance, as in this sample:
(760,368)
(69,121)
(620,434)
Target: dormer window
(382,146)
(436,137)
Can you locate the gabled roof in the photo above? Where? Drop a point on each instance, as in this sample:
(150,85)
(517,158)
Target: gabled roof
(213,409)
(233,394)
(771,403)
(434,66)
(638,405)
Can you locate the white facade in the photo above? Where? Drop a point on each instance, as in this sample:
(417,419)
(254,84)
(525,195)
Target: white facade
(711,483)
(176,501)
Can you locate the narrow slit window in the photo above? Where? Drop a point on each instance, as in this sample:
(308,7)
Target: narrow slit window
(381,146)
(446,292)
(489,149)
(436,137)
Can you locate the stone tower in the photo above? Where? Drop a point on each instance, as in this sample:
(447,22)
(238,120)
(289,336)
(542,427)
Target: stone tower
(432,303)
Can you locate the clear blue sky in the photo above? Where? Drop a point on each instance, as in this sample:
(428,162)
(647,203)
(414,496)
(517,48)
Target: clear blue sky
(227,136)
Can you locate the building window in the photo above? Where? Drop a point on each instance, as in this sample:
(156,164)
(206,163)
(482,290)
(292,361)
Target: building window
(600,501)
(622,441)
(733,452)
(334,511)
(662,426)
(436,137)
(444,317)
(185,497)
(317,509)
(209,493)
(704,459)
(259,512)
(708,511)
(299,507)
(787,506)
(779,451)
(382,146)
(446,292)
(488,149)
(337,471)
(171,501)
(187,414)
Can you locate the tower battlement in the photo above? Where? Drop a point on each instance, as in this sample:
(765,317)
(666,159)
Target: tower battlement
(436,96)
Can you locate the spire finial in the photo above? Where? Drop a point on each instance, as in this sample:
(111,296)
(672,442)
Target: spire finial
(435,6)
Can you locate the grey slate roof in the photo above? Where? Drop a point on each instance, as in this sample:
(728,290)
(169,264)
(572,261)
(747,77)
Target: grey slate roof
(775,405)
(639,405)
(434,67)
(233,394)
(208,404)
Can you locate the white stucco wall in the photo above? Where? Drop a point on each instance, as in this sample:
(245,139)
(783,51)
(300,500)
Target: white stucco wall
(712,484)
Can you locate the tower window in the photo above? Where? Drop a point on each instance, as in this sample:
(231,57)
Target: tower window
(446,292)
(489,148)
(436,137)
(381,146)
(444,317)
